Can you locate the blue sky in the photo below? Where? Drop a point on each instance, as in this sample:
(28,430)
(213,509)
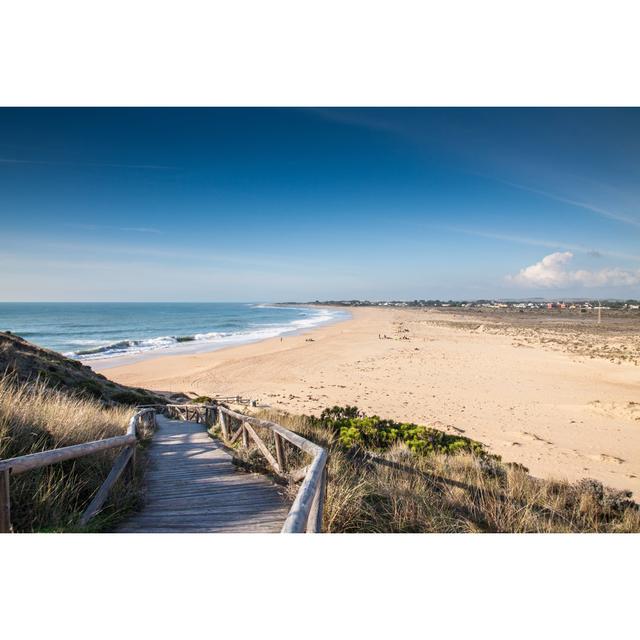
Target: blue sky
(298,204)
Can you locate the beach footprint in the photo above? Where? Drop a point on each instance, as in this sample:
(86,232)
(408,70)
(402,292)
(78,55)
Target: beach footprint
(532,437)
(605,457)
(625,410)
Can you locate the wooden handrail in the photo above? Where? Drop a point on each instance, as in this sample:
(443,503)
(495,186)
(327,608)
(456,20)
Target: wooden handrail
(45,458)
(308,506)
(304,515)
(21,464)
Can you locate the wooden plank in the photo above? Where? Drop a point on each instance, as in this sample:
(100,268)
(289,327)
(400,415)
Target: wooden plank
(44,458)
(5,502)
(263,496)
(188,482)
(103,492)
(263,447)
(192,485)
(299,515)
(293,438)
(236,435)
(223,425)
(296,521)
(245,435)
(280,452)
(314,524)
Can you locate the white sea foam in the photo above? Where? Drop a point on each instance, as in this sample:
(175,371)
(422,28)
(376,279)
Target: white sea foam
(202,341)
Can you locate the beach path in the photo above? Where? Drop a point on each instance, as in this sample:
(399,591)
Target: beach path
(193,486)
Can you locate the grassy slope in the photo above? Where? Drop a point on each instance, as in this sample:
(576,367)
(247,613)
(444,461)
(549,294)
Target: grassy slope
(28,362)
(49,401)
(395,489)
(36,418)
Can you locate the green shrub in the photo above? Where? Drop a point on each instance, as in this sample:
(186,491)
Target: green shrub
(201,400)
(355,429)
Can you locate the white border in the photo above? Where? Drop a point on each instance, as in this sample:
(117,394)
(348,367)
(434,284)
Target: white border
(278,586)
(319,53)
(330,52)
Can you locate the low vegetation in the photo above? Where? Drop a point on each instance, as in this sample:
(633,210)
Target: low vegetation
(35,417)
(386,477)
(354,429)
(28,363)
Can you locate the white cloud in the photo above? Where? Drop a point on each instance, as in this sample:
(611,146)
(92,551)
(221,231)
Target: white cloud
(552,271)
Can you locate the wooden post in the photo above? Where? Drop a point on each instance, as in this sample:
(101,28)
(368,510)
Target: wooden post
(280,453)
(127,455)
(132,462)
(314,524)
(223,425)
(5,502)
(245,437)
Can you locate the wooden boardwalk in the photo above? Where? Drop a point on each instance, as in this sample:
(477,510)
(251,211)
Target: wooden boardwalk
(192,486)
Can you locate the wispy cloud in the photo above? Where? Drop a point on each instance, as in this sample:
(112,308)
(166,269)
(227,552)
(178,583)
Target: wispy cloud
(60,163)
(100,227)
(607,213)
(160,252)
(357,117)
(553,272)
(549,244)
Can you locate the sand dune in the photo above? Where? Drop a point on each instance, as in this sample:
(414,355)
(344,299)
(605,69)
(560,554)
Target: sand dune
(558,413)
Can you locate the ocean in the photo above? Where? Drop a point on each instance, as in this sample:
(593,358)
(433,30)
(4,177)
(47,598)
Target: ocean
(91,331)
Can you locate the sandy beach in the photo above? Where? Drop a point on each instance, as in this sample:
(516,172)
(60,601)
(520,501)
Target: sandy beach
(561,413)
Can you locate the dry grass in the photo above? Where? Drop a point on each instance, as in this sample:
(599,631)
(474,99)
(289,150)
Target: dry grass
(36,418)
(399,491)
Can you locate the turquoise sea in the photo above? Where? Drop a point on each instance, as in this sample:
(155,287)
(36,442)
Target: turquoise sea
(89,331)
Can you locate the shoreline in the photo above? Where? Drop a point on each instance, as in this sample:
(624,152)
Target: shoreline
(197,347)
(558,413)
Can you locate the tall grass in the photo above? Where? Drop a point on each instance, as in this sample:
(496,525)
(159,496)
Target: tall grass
(36,418)
(400,491)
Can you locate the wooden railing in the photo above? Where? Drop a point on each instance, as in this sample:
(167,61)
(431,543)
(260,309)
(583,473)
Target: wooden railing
(145,417)
(236,400)
(308,506)
(304,515)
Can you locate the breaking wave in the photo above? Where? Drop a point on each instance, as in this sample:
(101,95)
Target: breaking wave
(214,338)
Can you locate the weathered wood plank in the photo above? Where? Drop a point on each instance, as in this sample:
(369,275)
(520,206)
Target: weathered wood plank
(236,435)
(193,485)
(5,502)
(296,521)
(280,452)
(223,425)
(263,447)
(245,436)
(103,492)
(314,524)
(45,458)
